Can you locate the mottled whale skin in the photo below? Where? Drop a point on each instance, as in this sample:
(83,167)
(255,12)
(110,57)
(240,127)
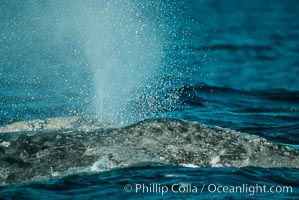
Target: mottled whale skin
(43,149)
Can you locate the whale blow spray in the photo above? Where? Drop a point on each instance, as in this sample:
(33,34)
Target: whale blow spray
(124,44)
(102,58)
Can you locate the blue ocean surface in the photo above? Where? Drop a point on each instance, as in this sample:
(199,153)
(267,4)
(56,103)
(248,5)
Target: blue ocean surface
(227,63)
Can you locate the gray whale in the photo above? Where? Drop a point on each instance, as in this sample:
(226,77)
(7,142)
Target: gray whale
(42,149)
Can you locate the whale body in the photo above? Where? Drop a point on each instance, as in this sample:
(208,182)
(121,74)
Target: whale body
(43,149)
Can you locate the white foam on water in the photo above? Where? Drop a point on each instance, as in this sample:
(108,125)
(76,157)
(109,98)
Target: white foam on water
(189,165)
(101,165)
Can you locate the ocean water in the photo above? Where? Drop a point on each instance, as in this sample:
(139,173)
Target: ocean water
(232,64)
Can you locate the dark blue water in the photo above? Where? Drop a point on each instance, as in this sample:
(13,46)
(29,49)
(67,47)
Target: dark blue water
(233,64)
(111,184)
